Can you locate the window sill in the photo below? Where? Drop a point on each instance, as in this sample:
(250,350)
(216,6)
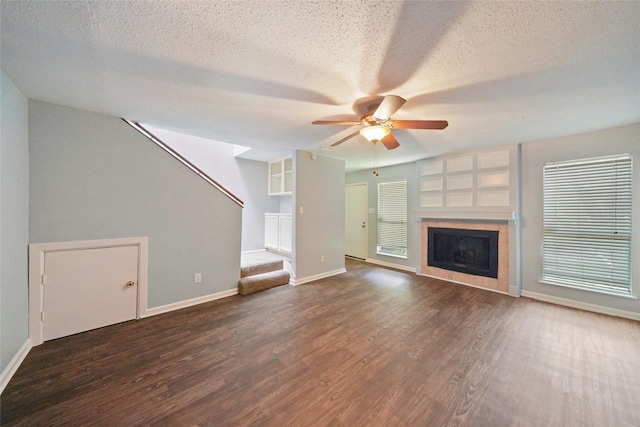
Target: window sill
(595,291)
(392,255)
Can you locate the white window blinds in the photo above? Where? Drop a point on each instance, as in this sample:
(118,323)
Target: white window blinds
(392,218)
(587,224)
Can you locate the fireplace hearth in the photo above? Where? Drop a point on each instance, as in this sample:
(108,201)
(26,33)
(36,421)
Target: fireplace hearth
(465,251)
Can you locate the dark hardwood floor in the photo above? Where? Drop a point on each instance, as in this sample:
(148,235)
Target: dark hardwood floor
(372,347)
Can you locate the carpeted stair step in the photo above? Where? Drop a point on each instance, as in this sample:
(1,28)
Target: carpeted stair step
(262,281)
(251,269)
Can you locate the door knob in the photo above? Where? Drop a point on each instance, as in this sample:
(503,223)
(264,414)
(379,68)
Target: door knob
(130,283)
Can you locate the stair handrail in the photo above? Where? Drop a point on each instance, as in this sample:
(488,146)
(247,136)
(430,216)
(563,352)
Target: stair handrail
(137,126)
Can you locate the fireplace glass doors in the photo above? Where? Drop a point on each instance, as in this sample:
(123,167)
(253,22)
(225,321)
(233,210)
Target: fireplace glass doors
(466,251)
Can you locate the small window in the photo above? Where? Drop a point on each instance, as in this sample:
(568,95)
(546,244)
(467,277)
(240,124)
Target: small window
(392,218)
(587,224)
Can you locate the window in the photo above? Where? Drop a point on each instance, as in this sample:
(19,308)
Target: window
(587,224)
(392,218)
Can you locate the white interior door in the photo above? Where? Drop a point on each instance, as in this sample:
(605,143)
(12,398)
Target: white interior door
(356,225)
(88,289)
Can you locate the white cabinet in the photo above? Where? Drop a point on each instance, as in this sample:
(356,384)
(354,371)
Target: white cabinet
(278,232)
(271,232)
(285,233)
(281,177)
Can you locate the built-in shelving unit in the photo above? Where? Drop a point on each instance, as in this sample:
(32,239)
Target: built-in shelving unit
(472,183)
(281,177)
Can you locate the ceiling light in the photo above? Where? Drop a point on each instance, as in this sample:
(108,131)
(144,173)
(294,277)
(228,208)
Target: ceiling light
(375,133)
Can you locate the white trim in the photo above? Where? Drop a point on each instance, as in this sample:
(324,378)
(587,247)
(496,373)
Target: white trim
(581,305)
(391,255)
(390,265)
(36,270)
(254,251)
(586,289)
(279,252)
(308,279)
(509,217)
(468,284)
(367,214)
(14,364)
(190,302)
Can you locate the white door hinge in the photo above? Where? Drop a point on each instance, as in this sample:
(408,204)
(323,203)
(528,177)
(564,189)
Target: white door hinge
(42,279)
(42,316)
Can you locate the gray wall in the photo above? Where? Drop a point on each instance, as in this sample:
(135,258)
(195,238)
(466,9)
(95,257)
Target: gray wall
(319,230)
(14,221)
(247,179)
(534,156)
(406,171)
(92,176)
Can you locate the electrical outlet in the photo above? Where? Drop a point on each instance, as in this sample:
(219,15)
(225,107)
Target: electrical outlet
(321,258)
(197,278)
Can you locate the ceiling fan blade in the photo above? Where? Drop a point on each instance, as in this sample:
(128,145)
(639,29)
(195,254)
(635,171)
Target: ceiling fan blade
(390,142)
(419,124)
(335,122)
(345,138)
(388,106)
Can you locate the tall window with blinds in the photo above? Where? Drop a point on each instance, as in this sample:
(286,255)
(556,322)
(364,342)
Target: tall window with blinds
(587,224)
(392,218)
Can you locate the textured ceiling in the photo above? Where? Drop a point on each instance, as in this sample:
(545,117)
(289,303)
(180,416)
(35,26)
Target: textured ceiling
(257,73)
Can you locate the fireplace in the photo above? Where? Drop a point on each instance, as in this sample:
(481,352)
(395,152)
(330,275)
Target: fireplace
(474,258)
(466,251)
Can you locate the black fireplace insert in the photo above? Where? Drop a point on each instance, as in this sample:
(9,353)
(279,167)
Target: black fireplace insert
(466,251)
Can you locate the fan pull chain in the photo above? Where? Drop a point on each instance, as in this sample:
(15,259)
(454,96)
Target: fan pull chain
(375,159)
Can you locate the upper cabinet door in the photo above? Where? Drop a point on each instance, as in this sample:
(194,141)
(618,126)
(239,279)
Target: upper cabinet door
(281,177)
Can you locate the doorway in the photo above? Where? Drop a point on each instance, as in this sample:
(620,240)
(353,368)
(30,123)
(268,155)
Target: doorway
(356,220)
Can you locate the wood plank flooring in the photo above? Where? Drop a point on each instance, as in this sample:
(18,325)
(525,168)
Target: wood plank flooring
(371,347)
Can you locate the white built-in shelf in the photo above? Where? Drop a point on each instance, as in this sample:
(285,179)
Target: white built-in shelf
(469,216)
(482,183)
(281,177)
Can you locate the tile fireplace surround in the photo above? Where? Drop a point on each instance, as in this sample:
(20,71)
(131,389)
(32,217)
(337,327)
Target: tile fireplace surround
(501,284)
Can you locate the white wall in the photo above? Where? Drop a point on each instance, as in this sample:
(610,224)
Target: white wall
(14,221)
(406,171)
(247,179)
(534,156)
(92,176)
(319,230)
(286,204)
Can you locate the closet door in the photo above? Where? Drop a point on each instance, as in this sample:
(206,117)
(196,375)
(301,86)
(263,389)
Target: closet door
(88,289)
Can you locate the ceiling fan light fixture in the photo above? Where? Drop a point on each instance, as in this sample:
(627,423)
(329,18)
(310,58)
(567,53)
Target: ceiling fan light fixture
(375,133)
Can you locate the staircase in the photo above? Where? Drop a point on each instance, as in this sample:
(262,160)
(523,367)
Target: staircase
(260,271)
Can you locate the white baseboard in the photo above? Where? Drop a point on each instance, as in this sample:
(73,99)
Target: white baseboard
(581,305)
(254,251)
(14,364)
(308,279)
(188,303)
(390,265)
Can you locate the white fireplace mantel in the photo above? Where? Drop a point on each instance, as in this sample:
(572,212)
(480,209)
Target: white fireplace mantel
(508,217)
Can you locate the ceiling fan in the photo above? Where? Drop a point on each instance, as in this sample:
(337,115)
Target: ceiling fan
(378,124)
